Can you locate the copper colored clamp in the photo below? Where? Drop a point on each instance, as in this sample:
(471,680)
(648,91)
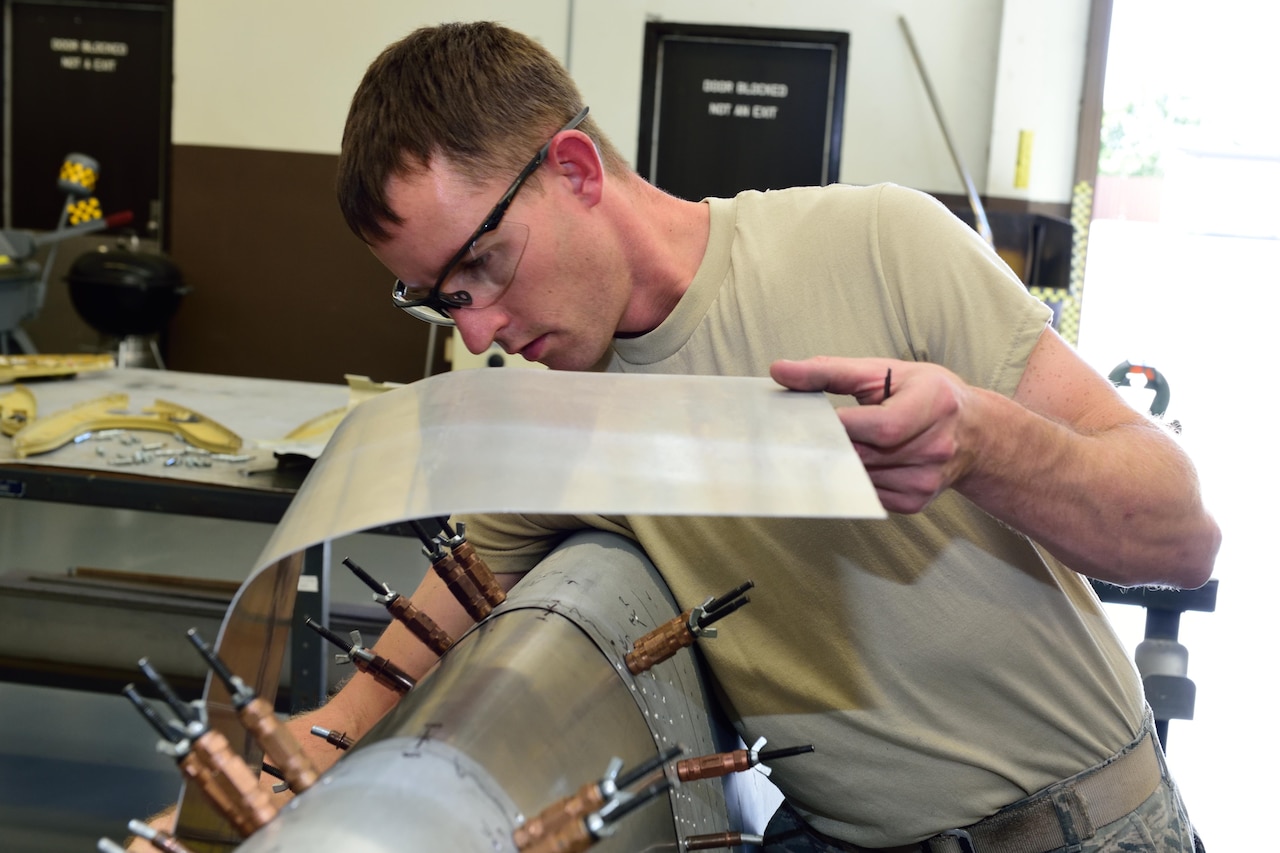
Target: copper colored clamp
(713,766)
(177,744)
(478,572)
(205,757)
(192,769)
(670,637)
(420,625)
(338,739)
(250,804)
(402,610)
(260,719)
(720,841)
(551,820)
(383,671)
(660,644)
(591,797)
(572,837)
(450,570)
(578,835)
(735,761)
(455,577)
(279,745)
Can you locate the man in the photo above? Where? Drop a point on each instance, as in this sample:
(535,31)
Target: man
(946,663)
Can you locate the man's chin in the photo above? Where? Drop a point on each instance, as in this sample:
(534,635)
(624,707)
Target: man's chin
(575,360)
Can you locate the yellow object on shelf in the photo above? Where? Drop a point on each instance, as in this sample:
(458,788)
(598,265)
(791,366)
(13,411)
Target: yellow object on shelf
(16,367)
(17,409)
(46,434)
(319,428)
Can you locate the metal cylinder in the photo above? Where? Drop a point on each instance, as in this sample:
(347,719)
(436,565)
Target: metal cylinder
(525,709)
(1161,657)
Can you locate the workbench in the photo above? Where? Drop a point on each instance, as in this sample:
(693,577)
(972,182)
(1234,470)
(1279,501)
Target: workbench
(75,628)
(260,411)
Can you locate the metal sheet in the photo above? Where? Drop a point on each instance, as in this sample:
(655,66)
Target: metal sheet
(252,645)
(400,794)
(559,442)
(550,442)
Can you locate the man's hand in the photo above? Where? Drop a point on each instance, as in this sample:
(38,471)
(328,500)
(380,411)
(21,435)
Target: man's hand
(1064,460)
(913,442)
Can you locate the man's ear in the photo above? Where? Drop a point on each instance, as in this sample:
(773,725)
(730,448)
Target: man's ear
(573,156)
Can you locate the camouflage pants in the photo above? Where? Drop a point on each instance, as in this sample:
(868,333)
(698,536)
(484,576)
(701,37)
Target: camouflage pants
(1159,825)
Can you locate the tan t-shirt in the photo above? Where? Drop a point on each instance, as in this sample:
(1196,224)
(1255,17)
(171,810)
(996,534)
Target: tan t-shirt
(941,664)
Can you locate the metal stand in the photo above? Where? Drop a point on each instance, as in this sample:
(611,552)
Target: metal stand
(139,351)
(16,342)
(1161,659)
(309,659)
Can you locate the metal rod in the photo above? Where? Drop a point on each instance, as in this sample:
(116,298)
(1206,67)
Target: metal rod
(636,774)
(338,739)
(355,568)
(785,752)
(159,840)
(723,611)
(329,635)
(184,711)
(215,663)
(715,605)
(157,722)
(636,802)
(979,213)
(421,533)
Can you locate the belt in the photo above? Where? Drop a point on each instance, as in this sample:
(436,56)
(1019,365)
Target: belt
(1066,812)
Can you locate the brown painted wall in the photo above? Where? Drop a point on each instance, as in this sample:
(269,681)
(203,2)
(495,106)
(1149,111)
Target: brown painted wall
(280,287)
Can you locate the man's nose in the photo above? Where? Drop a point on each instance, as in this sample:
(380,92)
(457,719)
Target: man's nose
(479,326)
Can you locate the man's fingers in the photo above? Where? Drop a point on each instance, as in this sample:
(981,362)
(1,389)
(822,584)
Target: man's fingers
(858,377)
(796,375)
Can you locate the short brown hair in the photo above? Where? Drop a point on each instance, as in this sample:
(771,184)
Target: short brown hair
(484,96)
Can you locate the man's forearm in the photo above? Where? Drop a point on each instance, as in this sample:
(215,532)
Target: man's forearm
(1121,504)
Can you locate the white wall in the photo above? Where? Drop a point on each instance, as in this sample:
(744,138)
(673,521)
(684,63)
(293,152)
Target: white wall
(1038,88)
(890,133)
(278,75)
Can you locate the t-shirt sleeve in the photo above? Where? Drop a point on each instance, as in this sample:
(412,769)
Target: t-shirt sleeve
(512,543)
(961,304)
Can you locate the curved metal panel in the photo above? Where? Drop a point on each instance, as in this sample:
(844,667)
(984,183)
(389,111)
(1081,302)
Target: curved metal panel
(606,586)
(525,708)
(400,794)
(490,441)
(251,642)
